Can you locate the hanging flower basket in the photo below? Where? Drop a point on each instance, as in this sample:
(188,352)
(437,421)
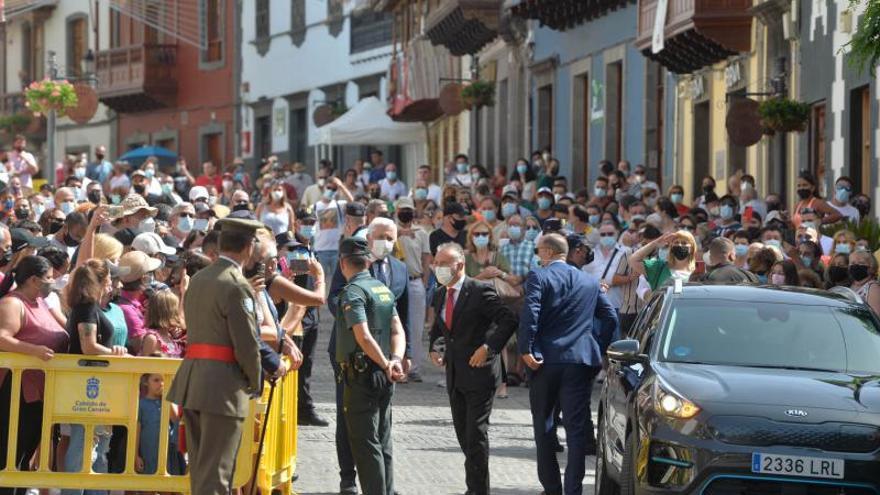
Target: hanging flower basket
(478,94)
(43,96)
(15,123)
(783,115)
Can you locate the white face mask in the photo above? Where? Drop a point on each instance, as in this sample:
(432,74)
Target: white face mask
(147,225)
(381,248)
(277,195)
(444,274)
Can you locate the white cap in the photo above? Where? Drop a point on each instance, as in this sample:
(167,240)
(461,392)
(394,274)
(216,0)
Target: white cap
(151,244)
(198,192)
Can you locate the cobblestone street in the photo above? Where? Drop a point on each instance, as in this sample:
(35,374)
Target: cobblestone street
(427,459)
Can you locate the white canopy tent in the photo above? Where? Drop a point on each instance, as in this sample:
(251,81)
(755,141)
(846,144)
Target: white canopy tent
(367,123)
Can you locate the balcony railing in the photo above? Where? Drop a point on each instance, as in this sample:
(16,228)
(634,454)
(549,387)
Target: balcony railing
(137,78)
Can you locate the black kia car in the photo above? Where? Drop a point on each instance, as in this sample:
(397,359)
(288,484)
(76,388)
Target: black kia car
(743,390)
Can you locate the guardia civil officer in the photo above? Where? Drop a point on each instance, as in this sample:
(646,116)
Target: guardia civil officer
(221,369)
(369,349)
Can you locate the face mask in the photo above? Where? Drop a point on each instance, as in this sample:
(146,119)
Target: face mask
(443,274)
(69,241)
(212,200)
(489,215)
(858,272)
(651,202)
(726,212)
(459,224)
(140,189)
(741,250)
(639,178)
(680,253)
(761,278)
(462,167)
(307,231)
(6,257)
(328,193)
(745,186)
(227,185)
(508,209)
(368,166)
(149,173)
(676,198)
(405,216)
(115,199)
(167,188)
(146,225)
(185,224)
(45,289)
(421,193)
(808,225)
(381,248)
(79,172)
(67,207)
(842,195)
(321,182)
(522,169)
(241,207)
(708,189)
(663,253)
(777,279)
(55,226)
(94,196)
(21,213)
(594,219)
(807,261)
(532,233)
(391,176)
(514,232)
(804,193)
(861,249)
(38,210)
(607,242)
(544,203)
(475,177)
(838,274)
(481,241)
(773,243)
(842,248)
(277,195)
(599,192)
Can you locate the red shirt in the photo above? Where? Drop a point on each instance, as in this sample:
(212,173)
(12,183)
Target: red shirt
(205,181)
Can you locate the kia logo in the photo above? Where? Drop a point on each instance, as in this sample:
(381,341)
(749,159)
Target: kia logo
(796,413)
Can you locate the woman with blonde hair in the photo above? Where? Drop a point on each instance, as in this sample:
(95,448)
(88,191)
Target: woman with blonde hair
(842,242)
(483,261)
(165,327)
(863,273)
(275,211)
(678,263)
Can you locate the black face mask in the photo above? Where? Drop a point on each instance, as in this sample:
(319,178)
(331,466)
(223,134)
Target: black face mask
(459,224)
(449,199)
(680,253)
(838,274)
(69,241)
(140,189)
(863,207)
(858,272)
(252,271)
(21,213)
(804,193)
(55,226)
(240,207)
(6,258)
(94,196)
(708,189)
(772,207)
(405,216)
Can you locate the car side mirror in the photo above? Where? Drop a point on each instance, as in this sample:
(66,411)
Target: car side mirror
(626,351)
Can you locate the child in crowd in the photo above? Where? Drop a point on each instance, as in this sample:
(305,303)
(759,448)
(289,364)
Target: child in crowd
(149,429)
(165,332)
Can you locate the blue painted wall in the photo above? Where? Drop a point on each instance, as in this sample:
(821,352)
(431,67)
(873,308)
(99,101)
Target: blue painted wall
(592,39)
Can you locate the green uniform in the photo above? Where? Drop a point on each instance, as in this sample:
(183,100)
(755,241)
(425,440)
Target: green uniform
(367,392)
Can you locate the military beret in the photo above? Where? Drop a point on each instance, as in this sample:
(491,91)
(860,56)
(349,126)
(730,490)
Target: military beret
(355,209)
(552,225)
(239,225)
(354,246)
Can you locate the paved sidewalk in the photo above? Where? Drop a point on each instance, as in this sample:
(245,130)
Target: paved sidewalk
(427,458)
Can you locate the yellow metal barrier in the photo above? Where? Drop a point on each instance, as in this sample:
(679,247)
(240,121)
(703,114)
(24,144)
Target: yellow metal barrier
(278,461)
(100,390)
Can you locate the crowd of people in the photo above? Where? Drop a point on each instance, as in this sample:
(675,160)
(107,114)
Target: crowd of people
(101,265)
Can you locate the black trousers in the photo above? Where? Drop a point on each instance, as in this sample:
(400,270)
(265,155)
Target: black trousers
(470,415)
(30,424)
(307,344)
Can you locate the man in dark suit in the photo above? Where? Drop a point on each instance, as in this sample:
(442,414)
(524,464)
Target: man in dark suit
(565,327)
(381,236)
(475,326)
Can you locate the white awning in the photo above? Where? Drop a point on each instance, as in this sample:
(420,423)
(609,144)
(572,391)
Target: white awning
(367,123)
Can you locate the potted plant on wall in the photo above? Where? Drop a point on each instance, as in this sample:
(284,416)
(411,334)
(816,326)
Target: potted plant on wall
(478,94)
(783,115)
(43,96)
(15,123)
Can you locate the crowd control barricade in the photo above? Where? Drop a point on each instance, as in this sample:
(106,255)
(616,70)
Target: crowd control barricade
(93,391)
(277,464)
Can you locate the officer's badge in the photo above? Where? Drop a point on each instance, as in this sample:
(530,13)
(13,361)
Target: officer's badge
(248,304)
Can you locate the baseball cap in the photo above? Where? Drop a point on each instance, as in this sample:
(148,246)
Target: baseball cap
(22,238)
(404,203)
(284,239)
(354,209)
(151,244)
(135,264)
(198,192)
(545,190)
(203,208)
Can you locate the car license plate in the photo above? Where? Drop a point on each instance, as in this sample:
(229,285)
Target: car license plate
(790,465)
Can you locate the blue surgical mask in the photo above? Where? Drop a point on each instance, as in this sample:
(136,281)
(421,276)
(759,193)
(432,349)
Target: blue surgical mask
(842,248)
(594,219)
(185,224)
(676,198)
(773,243)
(762,279)
(115,199)
(391,175)
(421,193)
(842,194)
(329,193)
(481,241)
(521,169)
(307,231)
(462,167)
(149,173)
(8,204)
(807,260)
(146,225)
(508,209)
(726,212)
(489,215)
(544,203)
(532,233)
(741,249)
(38,210)
(167,188)
(79,172)
(663,253)
(808,225)
(66,207)
(608,242)
(514,232)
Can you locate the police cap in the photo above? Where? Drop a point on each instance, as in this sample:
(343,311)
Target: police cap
(354,246)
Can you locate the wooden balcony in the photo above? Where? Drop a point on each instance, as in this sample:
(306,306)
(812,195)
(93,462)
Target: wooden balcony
(697,33)
(137,78)
(464,26)
(566,14)
(416,75)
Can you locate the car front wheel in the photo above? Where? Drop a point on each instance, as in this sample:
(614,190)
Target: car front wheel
(628,469)
(604,484)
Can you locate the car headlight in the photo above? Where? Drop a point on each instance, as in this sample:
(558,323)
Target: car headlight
(670,403)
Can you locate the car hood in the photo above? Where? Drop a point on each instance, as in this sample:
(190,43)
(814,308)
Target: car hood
(779,388)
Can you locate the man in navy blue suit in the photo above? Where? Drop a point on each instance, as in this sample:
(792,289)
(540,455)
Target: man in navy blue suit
(565,327)
(381,237)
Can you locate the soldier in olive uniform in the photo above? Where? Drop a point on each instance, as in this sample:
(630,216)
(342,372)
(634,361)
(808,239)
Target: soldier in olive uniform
(221,369)
(369,350)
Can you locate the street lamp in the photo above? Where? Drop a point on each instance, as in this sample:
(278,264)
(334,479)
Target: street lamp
(89,65)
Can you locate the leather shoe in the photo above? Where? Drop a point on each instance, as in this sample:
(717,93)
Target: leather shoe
(348,489)
(311,419)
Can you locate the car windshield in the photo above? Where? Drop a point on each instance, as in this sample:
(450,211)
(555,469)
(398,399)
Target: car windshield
(772,335)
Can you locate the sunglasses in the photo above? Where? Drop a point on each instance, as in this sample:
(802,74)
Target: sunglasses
(481,234)
(607,234)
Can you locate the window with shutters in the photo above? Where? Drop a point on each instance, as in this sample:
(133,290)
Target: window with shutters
(298,21)
(370,30)
(77,43)
(212,33)
(262,17)
(335,17)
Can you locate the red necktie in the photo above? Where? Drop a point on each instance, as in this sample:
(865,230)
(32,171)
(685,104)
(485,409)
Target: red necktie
(450,306)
